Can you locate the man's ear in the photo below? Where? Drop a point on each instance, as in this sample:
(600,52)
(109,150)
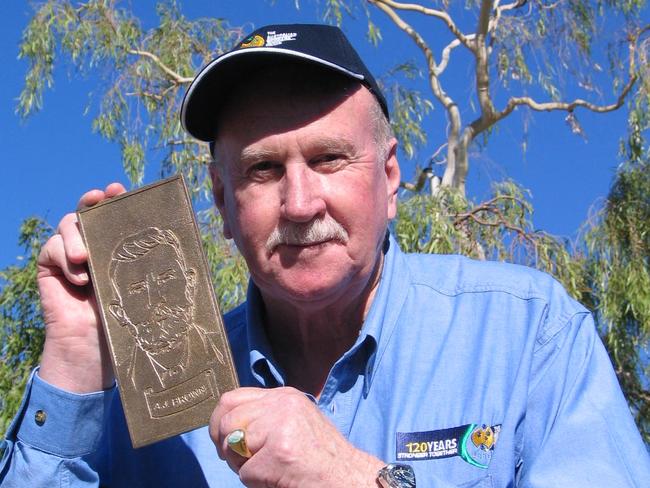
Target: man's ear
(190,276)
(190,279)
(393,176)
(117,311)
(218,194)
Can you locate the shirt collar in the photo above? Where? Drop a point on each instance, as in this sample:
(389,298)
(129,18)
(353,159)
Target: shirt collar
(386,306)
(262,365)
(373,337)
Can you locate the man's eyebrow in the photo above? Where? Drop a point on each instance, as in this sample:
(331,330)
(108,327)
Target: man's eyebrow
(335,145)
(251,155)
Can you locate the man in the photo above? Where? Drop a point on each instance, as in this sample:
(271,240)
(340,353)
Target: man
(363,366)
(154,291)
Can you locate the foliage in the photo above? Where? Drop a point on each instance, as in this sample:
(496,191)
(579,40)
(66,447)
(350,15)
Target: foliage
(500,229)
(145,73)
(519,50)
(620,275)
(21,329)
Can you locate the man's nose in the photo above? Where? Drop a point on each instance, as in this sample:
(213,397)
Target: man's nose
(302,195)
(153,291)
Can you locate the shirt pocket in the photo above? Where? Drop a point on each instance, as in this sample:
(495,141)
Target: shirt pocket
(484,482)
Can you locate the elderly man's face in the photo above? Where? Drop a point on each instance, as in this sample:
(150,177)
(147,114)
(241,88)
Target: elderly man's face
(153,292)
(302,192)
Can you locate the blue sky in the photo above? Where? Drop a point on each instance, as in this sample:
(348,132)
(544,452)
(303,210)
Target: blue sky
(53,157)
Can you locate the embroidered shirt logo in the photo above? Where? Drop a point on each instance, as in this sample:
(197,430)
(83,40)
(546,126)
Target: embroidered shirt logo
(478,444)
(275,39)
(483,437)
(253,41)
(473,443)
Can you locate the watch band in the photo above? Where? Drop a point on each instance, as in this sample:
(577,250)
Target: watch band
(396,476)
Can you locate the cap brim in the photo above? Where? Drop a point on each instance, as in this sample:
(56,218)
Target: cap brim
(212,85)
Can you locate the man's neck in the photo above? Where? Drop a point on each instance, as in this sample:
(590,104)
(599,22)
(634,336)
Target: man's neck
(307,342)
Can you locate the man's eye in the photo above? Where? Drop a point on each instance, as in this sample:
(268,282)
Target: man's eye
(136,288)
(261,167)
(166,276)
(328,161)
(263,170)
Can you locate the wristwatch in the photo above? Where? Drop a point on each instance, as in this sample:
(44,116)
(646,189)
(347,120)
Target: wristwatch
(396,476)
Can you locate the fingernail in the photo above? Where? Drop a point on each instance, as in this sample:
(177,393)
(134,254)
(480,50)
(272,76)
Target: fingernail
(83,276)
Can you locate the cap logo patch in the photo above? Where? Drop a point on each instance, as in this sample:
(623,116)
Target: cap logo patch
(253,41)
(275,39)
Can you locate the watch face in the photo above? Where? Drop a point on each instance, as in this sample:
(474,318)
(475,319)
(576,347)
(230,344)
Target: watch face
(403,474)
(397,476)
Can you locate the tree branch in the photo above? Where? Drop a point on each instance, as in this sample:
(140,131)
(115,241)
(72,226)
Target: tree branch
(436,87)
(490,206)
(446,52)
(439,14)
(515,102)
(508,6)
(173,75)
(499,9)
(481,54)
(447,102)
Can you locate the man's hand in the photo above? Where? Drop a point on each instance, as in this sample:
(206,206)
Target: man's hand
(292,442)
(75,357)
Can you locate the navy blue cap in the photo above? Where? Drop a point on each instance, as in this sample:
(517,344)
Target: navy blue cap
(323,45)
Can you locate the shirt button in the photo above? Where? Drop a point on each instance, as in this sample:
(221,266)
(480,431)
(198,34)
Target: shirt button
(40,417)
(332,407)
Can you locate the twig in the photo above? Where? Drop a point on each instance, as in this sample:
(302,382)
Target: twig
(414,7)
(175,77)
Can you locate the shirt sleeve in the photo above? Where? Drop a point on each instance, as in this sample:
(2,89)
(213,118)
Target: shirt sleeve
(55,438)
(578,427)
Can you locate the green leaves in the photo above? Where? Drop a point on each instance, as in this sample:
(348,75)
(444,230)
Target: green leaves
(499,228)
(619,264)
(409,107)
(21,329)
(143,73)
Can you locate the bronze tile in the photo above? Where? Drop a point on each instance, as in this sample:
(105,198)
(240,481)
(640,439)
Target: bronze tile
(168,345)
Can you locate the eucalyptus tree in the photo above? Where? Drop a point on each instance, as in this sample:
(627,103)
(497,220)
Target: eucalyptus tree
(524,56)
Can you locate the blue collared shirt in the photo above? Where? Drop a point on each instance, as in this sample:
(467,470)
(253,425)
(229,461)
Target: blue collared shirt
(477,374)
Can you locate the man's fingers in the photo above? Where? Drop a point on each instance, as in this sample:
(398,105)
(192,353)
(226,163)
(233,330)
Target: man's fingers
(114,189)
(90,198)
(237,409)
(253,442)
(68,250)
(53,257)
(95,196)
(75,249)
(248,409)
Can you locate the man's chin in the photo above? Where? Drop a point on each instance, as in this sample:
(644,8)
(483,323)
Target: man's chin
(311,289)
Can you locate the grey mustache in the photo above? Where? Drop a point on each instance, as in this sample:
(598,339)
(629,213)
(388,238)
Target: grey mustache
(312,232)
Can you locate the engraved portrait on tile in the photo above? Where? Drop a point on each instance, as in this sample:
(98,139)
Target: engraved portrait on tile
(154,301)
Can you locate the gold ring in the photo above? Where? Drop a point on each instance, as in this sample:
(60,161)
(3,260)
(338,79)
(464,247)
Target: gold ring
(237,442)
